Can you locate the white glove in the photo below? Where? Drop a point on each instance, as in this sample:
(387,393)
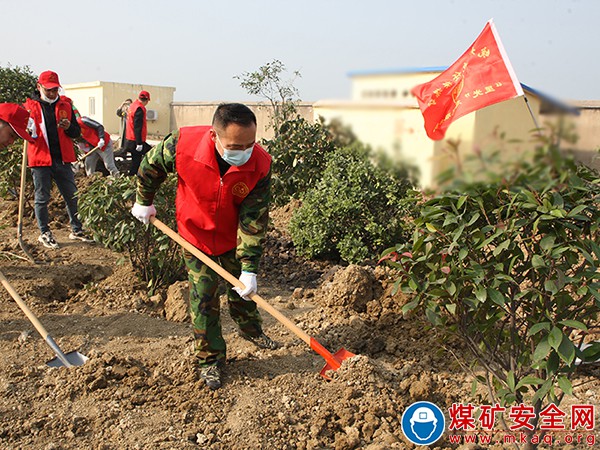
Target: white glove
(139,148)
(100,144)
(248,279)
(143,213)
(31,127)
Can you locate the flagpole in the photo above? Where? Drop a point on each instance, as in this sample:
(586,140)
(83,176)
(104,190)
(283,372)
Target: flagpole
(537,127)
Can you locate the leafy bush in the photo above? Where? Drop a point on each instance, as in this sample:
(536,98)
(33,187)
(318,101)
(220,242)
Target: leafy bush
(511,268)
(104,207)
(11,159)
(354,211)
(300,152)
(16,84)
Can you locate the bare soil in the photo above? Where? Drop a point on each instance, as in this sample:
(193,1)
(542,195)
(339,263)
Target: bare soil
(140,387)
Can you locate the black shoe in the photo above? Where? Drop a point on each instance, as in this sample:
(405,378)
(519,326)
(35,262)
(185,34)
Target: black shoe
(79,235)
(211,376)
(261,341)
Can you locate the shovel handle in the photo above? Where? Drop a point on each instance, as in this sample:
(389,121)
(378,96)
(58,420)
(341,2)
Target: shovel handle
(22,189)
(22,203)
(34,320)
(94,150)
(231,279)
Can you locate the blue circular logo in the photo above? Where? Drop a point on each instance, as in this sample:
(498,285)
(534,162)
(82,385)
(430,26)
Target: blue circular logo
(423,423)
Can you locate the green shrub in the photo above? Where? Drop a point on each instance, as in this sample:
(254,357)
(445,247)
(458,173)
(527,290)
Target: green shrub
(16,84)
(300,152)
(510,267)
(104,207)
(11,158)
(354,211)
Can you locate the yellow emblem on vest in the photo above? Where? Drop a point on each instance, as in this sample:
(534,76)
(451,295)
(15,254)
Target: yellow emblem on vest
(240,190)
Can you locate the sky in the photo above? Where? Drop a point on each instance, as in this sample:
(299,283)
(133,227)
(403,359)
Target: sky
(199,47)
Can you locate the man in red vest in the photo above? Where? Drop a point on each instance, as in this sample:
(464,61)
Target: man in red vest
(93,135)
(13,124)
(51,155)
(222,208)
(136,131)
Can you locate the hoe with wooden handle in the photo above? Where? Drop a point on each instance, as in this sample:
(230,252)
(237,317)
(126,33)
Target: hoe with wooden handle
(91,152)
(333,361)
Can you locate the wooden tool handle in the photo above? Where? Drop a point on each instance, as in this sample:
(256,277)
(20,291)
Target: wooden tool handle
(34,320)
(94,150)
(231,279)
(22,191)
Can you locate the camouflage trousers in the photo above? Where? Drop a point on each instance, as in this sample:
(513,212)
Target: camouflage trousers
(209,345)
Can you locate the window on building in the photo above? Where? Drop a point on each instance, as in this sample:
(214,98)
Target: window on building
(92,105)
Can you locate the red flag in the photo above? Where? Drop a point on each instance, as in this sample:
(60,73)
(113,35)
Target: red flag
(481,77)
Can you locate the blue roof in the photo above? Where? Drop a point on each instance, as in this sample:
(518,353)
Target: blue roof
(393,70)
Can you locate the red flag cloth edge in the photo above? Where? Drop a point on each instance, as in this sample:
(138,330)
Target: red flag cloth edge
(481,77)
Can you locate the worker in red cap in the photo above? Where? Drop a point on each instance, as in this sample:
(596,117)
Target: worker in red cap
(136,131)
(13,124)
(51,155)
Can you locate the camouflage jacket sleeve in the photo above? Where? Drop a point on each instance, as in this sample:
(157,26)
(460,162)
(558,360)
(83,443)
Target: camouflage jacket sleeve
(155,166)
(253,221)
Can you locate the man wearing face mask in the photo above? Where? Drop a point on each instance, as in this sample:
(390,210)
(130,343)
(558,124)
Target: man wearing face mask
(222,205)
(51,155)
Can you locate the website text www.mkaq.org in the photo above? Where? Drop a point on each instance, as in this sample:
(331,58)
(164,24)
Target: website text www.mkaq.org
(551,438)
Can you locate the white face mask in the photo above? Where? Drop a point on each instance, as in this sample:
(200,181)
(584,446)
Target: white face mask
(235,157)
(46,99)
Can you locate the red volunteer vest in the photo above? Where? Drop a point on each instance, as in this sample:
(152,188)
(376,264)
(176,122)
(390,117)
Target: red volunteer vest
(129,133)
(91,136)
(207,206)
(38,153)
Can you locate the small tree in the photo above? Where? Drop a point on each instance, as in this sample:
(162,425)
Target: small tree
(510,267)
(267,83)
(105,209)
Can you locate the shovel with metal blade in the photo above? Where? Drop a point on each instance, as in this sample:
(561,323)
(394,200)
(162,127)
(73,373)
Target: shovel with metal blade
(333,361)
(62,359)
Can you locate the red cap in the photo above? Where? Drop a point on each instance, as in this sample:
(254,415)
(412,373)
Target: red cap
(17,117)
(144,95)
(49,79)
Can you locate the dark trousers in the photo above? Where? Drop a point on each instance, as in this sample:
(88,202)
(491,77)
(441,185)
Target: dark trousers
(136,157)
(62,174)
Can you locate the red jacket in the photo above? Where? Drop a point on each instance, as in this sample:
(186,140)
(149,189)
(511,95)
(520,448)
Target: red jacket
(91,135)
(207,205)
(38,153)
(129,131)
